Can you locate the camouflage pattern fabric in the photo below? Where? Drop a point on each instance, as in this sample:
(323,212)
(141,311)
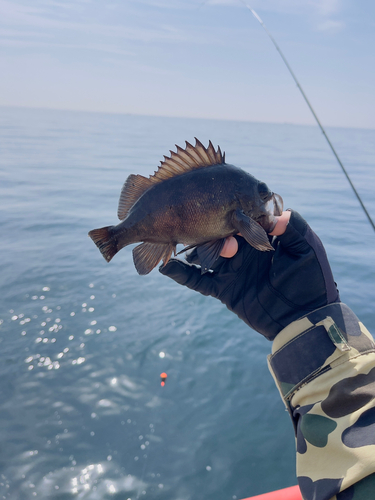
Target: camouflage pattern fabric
(324,367)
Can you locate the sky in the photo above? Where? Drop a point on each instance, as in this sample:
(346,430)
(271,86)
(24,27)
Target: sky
(192,58)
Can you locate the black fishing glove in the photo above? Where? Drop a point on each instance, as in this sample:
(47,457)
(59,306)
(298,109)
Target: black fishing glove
(267,290)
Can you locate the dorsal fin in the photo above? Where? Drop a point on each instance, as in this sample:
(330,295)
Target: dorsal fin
(132,190)
(185,160)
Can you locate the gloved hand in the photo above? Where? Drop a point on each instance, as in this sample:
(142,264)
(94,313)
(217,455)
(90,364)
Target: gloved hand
(267,290)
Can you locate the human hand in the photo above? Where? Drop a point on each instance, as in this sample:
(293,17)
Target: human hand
(230,247)
(267,290)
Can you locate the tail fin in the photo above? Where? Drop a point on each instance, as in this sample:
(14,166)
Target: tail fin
(105,241)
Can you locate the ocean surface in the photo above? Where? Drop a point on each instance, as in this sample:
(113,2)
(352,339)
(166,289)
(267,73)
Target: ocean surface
(83,342)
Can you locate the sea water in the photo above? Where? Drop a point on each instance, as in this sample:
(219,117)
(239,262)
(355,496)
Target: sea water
(82,342)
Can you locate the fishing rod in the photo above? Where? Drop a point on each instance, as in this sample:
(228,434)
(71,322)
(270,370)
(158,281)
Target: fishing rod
(312,111)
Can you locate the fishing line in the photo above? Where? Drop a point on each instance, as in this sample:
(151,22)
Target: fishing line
(311,109)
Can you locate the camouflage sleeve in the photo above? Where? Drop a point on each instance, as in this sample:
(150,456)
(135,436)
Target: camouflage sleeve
(324,367)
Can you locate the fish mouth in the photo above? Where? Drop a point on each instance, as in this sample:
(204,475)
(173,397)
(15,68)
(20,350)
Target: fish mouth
(273,208)
(267,196)
(278,204)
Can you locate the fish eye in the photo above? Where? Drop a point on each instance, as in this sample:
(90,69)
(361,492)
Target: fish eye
(263,191)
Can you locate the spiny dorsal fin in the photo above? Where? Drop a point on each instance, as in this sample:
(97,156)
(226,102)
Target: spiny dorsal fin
(185,160)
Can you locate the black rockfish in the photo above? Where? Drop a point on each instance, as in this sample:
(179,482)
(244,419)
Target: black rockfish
(194,198)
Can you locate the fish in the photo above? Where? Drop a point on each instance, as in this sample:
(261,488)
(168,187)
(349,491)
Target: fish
(194,198)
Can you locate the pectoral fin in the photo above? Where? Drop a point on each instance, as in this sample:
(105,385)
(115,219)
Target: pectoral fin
(146,256)
(253,233)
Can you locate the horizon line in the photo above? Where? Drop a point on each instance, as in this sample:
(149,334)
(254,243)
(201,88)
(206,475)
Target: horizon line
(151,115)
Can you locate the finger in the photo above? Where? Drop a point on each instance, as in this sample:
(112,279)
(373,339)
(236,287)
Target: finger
(230,247)
(281,224)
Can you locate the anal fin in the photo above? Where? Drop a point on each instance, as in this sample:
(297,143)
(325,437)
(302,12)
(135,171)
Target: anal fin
(146,256)
(253,232)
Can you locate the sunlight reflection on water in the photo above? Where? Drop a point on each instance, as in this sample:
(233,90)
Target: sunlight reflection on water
(89,483)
